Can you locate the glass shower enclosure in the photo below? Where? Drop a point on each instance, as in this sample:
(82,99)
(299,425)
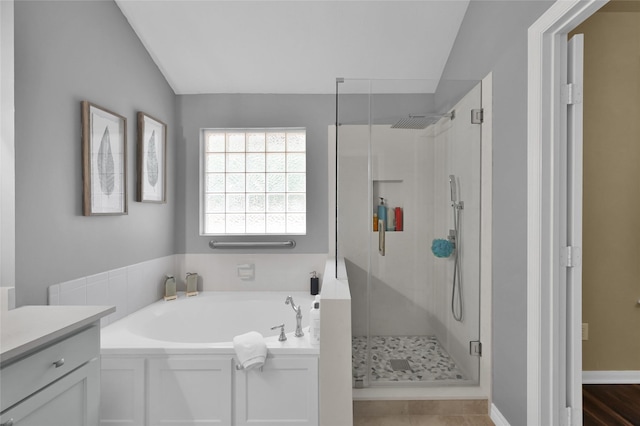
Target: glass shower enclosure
(408,228)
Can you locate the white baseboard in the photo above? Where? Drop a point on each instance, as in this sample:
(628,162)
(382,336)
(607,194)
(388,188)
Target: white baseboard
(610,377)
(497,417)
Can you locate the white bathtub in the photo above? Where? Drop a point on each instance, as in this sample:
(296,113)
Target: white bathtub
(208,322)
(173,362)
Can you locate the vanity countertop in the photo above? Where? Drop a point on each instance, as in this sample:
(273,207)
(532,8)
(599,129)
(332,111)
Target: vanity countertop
(29,327)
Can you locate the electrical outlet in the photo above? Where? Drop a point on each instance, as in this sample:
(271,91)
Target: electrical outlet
(585,331)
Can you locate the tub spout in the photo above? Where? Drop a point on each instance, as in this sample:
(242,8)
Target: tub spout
(298,311)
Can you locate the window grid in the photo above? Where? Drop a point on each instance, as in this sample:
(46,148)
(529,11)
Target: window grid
(254,181)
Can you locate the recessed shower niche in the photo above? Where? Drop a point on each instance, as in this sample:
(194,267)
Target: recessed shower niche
(392,192)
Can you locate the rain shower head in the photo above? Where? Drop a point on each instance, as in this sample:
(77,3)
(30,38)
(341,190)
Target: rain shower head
(419,122)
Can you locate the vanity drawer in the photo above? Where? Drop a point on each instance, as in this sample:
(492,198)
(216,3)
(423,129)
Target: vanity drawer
(26,376)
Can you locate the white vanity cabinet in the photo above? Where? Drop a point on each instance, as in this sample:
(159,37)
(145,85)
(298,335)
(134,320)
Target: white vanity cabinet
(50,367)
(208,390)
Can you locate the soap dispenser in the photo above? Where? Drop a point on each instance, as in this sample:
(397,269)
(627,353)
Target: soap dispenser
(170,288)
(315,284)
(192,284)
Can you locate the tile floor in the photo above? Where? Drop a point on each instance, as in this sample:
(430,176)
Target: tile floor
(427,359)
(419,413)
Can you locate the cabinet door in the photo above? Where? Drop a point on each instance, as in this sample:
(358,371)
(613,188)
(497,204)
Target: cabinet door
(285,392)
(73,400)
(122,391)
(189,391)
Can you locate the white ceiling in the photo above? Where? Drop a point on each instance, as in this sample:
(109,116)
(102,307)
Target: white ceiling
(298,46)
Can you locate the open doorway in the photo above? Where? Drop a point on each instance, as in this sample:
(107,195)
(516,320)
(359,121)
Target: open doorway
(611,224)
(554,382)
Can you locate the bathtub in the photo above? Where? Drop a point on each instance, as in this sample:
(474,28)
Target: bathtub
(208,322)
(174,362)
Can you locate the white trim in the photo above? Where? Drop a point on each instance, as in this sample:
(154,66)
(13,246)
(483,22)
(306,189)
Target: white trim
(611,377)
(7,146)
(543,310)
(497,417)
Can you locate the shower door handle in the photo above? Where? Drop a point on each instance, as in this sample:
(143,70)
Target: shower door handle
(381,231)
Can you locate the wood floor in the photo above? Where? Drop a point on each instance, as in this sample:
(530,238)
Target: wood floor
(611,405)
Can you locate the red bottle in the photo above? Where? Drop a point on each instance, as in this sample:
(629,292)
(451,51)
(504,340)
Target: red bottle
(398,219)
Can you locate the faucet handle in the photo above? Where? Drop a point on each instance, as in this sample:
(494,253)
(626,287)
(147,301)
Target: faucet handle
(283,336)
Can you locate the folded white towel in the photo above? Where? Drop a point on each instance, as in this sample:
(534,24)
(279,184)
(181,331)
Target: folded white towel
(251,349)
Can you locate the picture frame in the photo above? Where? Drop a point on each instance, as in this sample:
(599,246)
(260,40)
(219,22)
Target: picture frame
(152,160)
(104,161)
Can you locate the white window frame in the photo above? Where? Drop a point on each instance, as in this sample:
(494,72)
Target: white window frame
(203,174)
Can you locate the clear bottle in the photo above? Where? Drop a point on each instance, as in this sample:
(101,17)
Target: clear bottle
(314,323)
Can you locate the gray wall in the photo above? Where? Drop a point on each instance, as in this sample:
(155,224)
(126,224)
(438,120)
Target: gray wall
(493,38)
(66,52)
(315,112)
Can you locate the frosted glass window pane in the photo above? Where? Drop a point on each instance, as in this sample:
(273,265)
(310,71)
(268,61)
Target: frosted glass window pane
(255,142)
(214,182)
(256,223)
(256,202)
(214,224)
(235,182)
(296,162)
(235,142)
(235,224)
(275,203)
(275,182)
(256,162)
(214,142)
(215,163)
(296,223)
(276,223)
(235,203)
(235,162)
(255,182)
(296,142)
(215,203)
(276,162)
(276,142)
(296,182)
(296,203)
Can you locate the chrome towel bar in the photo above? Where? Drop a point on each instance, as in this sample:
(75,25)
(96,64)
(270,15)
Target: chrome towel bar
(251,244)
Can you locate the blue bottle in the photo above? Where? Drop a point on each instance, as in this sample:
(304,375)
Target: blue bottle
(382,213)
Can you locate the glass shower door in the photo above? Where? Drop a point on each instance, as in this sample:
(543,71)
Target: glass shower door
(409,174)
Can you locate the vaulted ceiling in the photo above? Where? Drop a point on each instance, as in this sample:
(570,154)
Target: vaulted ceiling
(298,46)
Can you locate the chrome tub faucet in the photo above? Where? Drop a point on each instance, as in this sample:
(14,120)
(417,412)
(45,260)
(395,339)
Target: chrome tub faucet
(298,310)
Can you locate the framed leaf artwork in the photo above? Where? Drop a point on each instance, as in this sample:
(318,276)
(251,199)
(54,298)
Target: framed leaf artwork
(104,161)
(152,160)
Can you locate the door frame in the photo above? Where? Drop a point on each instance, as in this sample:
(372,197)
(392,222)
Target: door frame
(546,123)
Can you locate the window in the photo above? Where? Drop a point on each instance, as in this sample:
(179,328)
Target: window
(253,181)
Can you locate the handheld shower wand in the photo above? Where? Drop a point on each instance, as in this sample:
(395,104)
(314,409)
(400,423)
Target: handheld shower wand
(452,186)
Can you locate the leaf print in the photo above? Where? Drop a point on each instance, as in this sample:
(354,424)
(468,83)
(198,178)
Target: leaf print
(152,161)
(105,164)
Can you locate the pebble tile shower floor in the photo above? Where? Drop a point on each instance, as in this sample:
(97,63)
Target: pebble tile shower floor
(427,359)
